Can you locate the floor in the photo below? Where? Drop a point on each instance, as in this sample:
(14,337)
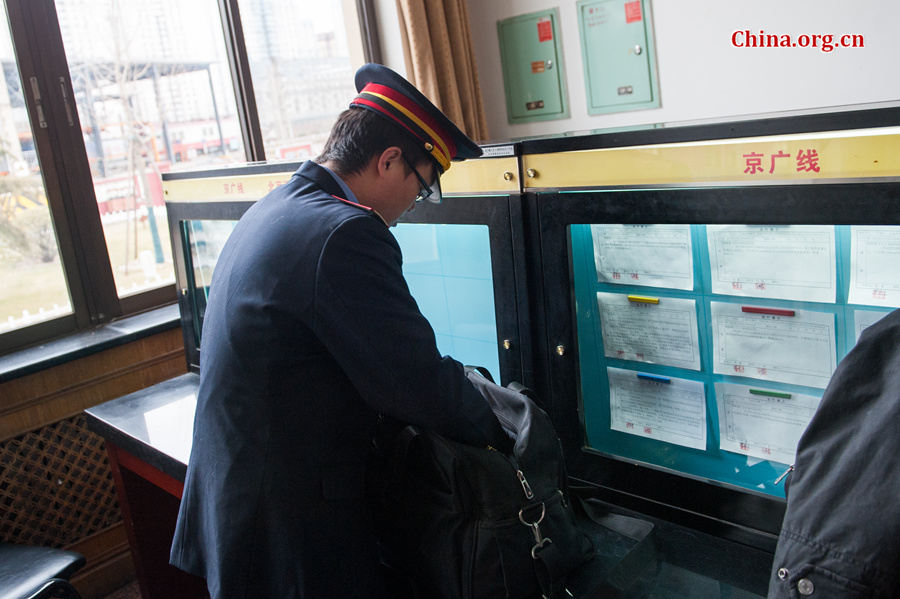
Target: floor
(129,591)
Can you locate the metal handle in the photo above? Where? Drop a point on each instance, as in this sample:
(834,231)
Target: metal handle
(531,173)
(507,176)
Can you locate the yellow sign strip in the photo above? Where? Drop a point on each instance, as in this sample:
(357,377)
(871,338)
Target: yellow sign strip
(482,176)
(232,188)
(748,160)
(472,176)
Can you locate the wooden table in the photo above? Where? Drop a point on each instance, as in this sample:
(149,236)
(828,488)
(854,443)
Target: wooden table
(148,438)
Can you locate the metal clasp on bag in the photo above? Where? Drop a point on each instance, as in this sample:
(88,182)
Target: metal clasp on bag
(539,540)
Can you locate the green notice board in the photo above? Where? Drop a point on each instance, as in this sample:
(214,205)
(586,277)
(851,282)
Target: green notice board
(619,56)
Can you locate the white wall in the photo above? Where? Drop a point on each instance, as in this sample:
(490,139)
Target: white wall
(701,75)
(386,14)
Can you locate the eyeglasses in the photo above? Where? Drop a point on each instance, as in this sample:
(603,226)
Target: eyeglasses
(432,192)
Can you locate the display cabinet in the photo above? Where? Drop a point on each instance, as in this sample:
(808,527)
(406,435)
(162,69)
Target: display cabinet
(458,255)
(698,286)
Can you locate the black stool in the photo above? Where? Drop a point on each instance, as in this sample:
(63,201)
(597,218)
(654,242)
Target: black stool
(28,572)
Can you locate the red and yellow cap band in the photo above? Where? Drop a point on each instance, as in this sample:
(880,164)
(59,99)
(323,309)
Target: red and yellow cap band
(411,117)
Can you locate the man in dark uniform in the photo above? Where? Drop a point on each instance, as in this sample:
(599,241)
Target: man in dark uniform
(310,331)
(841,531)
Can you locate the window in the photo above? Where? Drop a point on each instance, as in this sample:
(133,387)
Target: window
(114,94)
(29,253)
(141,79)
(302,72)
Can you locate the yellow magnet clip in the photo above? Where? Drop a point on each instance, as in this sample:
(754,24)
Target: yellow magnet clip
(641,299)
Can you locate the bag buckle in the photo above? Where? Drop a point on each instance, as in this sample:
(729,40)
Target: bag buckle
(539,540)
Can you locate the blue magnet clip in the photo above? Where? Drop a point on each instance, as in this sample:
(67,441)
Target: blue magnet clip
(654,378)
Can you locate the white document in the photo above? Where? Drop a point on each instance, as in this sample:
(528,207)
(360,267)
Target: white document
(875,266)
(647,406)
(863,319)
(651,255)
(798,349)
(762,423)
(657,333)
(794,262)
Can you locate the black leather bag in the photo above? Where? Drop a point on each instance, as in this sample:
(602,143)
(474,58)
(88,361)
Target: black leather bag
(469,523)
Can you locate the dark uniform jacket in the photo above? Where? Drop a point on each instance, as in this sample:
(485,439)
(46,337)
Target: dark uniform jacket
(841,531)
(310,330)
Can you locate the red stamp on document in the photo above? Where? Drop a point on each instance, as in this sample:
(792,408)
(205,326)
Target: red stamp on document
(633,11)
(545,30)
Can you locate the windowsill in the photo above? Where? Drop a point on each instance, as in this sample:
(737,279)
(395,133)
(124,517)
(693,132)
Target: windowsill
(85,343)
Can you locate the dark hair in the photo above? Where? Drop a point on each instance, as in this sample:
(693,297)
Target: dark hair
(360,134)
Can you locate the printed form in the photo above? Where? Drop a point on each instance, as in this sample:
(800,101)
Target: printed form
(863,319)
(874,270)
(761,423)
(657,330)
(785,262)
(657,407)
(773,344)
(651,255)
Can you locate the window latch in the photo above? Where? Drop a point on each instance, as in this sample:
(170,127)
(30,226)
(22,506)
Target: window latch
(36,92)
(63,90)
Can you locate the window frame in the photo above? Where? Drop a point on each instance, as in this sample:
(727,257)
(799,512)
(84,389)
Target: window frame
(60,148)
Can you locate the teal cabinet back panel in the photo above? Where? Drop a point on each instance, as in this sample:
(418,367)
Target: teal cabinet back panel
(689,391)
(448,269)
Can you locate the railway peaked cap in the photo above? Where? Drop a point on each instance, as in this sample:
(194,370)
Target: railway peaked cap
(386,93)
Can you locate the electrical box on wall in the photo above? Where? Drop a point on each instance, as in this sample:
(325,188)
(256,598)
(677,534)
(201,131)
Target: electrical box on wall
(533,75)
(619,55)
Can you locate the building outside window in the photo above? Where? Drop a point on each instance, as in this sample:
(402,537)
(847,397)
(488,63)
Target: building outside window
(151,86)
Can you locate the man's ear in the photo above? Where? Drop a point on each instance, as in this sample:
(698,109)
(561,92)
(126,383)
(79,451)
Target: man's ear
(389,158)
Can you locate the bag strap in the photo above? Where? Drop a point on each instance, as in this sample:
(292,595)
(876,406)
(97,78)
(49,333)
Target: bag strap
(549,569)
(548,561)
(520,388)
(480,370)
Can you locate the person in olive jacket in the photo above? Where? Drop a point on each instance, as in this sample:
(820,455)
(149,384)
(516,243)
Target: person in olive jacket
(841,530)
(309,333)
